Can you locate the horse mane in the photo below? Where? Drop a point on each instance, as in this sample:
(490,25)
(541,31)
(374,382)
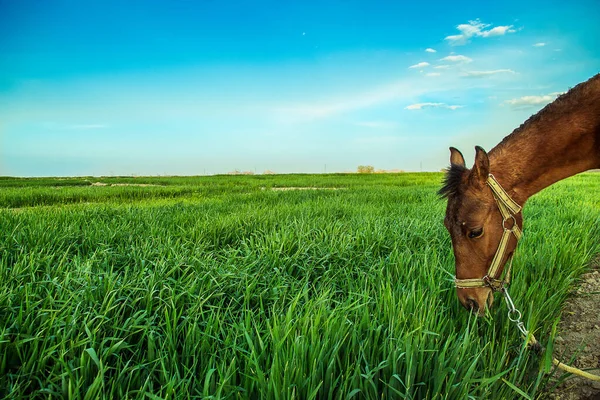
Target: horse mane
(452,181)
(564,103)
(585,92)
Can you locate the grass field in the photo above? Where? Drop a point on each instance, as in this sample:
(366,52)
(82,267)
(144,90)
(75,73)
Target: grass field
(219,287)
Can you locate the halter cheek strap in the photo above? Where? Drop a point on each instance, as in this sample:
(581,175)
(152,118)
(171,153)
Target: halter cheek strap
(508,209)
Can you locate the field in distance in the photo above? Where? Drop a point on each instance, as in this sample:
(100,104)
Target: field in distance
(220,287)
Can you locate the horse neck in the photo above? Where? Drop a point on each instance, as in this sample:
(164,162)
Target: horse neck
(546,151)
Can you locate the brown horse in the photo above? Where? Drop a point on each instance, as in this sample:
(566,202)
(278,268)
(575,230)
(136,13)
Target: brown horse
(483,214)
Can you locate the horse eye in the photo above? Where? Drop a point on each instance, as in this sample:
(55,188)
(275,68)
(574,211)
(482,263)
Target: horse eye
(475,233)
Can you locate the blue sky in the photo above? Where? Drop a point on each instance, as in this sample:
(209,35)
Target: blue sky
(205,87)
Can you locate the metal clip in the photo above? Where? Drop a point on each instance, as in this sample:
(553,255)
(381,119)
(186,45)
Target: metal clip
(514,315)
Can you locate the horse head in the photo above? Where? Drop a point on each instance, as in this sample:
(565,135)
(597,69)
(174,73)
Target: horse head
(484,225)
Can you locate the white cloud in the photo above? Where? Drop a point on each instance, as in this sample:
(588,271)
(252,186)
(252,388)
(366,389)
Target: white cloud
(472,28)
(456,39)
(433,74)
(481,74)
(430,50)
(540,44)
(497,31)
(419,106)
(457,58)
(441,67)
(420,65)
(477,28)
(531,101)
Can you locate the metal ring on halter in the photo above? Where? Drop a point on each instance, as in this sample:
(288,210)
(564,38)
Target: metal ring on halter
(512,312)
(514,223)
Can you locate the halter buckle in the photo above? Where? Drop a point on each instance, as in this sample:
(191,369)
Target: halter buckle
(497,285)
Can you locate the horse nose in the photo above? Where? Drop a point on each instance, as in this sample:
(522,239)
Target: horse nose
(476,300)
(471,305)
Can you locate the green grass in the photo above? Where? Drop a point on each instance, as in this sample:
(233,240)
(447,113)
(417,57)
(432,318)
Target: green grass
(217,287)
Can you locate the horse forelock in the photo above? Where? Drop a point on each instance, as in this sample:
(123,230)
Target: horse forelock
(452,181)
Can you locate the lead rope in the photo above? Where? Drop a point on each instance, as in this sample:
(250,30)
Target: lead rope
(514,315)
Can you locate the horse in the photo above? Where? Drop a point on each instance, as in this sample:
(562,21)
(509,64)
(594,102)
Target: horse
(484,204)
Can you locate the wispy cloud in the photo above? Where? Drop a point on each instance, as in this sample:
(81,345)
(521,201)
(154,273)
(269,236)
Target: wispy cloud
(532,101)
(432,74)
(482,74)
(477,28)
(311,110)
(497,31)
(420,65)
(441,67)
(419,106)
(457,59)
(540,44)
(430,50)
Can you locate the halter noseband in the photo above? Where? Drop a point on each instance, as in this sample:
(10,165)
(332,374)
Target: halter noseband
(508,208)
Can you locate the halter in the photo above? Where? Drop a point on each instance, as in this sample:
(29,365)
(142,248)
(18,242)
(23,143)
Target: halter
(508,208)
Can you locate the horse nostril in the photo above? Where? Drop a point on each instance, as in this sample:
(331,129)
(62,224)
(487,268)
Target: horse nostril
(472,305)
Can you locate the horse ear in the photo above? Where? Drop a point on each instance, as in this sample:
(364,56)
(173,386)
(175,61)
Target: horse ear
(456,157)
(481,168)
